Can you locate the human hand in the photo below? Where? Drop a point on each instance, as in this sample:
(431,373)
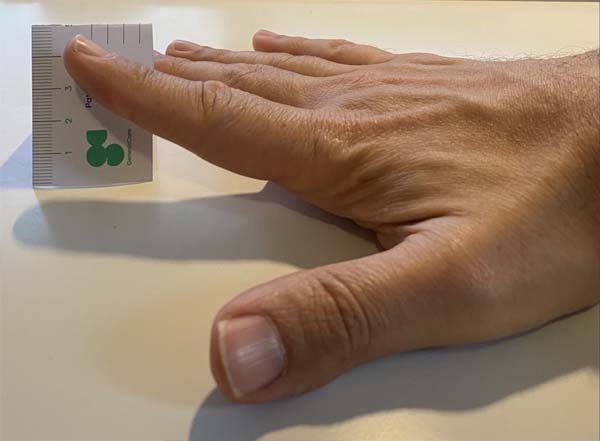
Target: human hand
(480,179)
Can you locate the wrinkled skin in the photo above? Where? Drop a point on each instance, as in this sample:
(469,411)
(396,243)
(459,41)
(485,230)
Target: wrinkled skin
(480,179)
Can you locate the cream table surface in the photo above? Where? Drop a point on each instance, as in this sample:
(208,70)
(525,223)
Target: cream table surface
(107,295)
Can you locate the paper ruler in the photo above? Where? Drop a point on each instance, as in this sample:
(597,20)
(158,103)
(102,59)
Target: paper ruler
(75,141)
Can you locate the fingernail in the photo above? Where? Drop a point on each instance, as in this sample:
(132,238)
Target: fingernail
(88,47)
(266,33)
(184,46)
(251,352)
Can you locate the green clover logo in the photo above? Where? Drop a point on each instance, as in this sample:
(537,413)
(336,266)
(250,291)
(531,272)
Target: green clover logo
(97,154)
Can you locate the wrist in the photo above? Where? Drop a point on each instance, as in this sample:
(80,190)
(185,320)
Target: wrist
(581,88)
(579,83)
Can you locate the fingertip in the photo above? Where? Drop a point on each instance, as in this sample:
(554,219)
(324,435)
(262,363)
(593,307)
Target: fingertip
(69,46)
(82,45)
(262,39)
(70,55)
(170,48)
(80,54)
(247,354)
(216,365)
(77,64)
(181,47)
(160,61)
(265,33)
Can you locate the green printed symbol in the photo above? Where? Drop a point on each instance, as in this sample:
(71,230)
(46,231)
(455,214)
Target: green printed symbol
(97,154)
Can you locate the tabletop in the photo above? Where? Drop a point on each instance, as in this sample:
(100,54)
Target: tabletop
(107,295)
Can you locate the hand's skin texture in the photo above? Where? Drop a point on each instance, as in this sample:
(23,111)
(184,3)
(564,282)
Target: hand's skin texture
(480,179)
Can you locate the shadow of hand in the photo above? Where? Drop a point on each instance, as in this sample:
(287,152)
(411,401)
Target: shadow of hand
(270,225)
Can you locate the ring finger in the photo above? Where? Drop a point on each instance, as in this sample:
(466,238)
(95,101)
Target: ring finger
(301,64)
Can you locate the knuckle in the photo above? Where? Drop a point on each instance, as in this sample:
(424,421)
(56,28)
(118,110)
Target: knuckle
(468,291)
(315,148)
(142,75)
(211,54)
(223,54)
(202,53)
(361,79)
(338,44)
(211,97)
(471,109)
(426,58)
(284,60)
(143,78)
(298,44)
(177,64)
(239,76)
(344,321)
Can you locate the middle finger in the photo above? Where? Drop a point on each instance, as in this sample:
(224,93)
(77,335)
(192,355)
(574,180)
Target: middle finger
(265,81)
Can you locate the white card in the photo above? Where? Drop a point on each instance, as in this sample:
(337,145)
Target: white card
(76,142)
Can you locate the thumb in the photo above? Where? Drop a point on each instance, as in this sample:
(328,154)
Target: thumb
(298,332)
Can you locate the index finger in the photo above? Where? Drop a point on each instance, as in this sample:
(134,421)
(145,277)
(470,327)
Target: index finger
(236,130)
